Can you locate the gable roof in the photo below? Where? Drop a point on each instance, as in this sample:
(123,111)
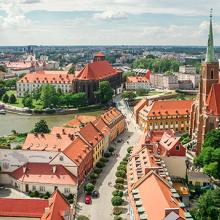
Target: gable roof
(78,150)
(100,124)
(44,173)
(58,207)
(213,100)
(91,134)
(156,188)
(46,142)
(80,120)
(97,71)
(22,207)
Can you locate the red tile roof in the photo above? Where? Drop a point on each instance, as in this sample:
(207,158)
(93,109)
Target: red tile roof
(78,150)
(43,173)
(53,77)
(19,65)
(112,116)
(80,120)
(91,134)
(33,208)
(58,207)
(137,79)
(100,124)
(213,100)
(100,54)
(170,107)
(46,142)
(64,130)
(97,71)
(156,197)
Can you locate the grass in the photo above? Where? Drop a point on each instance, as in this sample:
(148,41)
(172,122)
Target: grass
(13,138)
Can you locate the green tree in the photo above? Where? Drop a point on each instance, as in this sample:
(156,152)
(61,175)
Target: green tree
(27,101)
(89,187)
(5,98)
(128,95)
(117,201)
(208,206)
(11,83)
(72,69)
(79,99)
(41,127)
(127,74)
(105,92)
(12,99)
(49,96)
(209,157)
(2,88)
(3,68)
(36,93)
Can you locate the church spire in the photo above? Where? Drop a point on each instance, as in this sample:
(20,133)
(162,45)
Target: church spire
(210,54)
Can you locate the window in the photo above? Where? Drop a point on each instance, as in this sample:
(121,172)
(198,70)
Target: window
(212,74)
(42,189)
(33,188)
(177,147)
(66,190)
(61,158)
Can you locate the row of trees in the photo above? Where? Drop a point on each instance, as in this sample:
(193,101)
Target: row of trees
(157,64)
(9,99)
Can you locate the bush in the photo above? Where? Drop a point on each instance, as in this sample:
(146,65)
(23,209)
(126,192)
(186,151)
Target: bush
(89,187)
(107,154)
(117,218)
(117,201)
(93,176)
(123,163)
(36,194)
(97,170)
(103,160)
(120,173)
(120,180)
(125,159)
(117,193)
(111,149)
(117,211)
(119,186)
(100,164)
(129,150)
(122,167)
(82,217)
(70,196)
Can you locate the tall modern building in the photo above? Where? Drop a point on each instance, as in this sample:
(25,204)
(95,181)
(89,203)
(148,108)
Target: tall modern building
(205,112)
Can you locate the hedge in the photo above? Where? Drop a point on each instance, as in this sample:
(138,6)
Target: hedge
(97,170)
(117,210)
(100,164)
(107,154)
(122,167)
(104,160)
(117,193)
(119,186)
(117,201)
(120,173)
(120,180)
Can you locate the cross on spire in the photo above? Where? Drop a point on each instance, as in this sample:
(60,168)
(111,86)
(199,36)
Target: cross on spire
(211,13)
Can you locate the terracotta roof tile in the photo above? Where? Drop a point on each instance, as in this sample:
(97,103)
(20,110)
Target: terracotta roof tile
(213,100)
(43,173)
(58,206)
(137,79)
(22,207)
(97,71)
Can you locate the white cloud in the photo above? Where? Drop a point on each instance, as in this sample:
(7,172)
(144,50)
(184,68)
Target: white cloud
(30,1)
(15,16)
(111,15)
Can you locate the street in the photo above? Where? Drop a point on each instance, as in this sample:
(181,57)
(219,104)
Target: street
(101,208)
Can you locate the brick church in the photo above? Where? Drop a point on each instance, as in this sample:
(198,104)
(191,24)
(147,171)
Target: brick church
(87,80)
(205,112)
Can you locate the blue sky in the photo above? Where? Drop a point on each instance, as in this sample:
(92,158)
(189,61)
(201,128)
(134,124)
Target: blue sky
(99,22)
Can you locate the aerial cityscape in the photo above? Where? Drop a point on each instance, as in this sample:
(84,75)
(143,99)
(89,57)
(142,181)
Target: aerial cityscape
(109,110)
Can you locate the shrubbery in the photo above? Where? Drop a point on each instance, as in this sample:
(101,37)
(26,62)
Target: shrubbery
(122,167)
(120,173)
(111,149)
(107,154)
(97,170)
(100,164)
(117,193)
(117,201)
(104,160)
(119,186)
(117,210)
(120,180)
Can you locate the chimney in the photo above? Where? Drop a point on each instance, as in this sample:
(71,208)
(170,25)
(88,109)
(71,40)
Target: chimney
(24,169)
(54,168)
(46,211)
(169,210)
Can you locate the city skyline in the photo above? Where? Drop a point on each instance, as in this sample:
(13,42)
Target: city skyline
(105,22)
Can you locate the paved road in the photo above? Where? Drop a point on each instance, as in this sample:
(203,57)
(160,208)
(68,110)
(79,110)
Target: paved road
(101,208)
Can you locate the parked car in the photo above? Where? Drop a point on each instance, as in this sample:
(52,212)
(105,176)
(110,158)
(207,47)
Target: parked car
(95,194)
(88,199)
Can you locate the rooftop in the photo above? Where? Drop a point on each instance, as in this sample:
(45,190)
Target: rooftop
(44,173)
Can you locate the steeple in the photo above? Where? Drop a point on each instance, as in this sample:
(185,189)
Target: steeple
(210,54)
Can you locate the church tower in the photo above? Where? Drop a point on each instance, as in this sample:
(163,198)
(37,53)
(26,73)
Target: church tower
(209,76)
(210,69)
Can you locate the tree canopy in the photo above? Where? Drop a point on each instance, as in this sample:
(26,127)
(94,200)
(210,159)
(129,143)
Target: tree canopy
(105,92)
(209,157)
(157,64)
(41,127)
(208,206)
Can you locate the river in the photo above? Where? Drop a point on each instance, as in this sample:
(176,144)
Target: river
(22,123)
